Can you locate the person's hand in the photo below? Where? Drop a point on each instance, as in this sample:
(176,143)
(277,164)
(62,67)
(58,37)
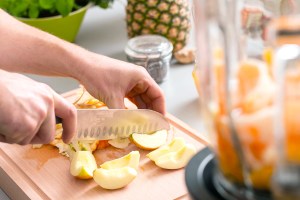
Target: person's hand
(105,78)
(112,80)
(28,110)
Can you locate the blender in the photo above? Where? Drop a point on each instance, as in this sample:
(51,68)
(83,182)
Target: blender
(246,73)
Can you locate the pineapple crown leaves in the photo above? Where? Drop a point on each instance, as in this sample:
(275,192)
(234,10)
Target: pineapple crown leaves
(46,8)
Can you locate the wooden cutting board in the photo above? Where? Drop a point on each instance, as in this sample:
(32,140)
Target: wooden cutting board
(28,173)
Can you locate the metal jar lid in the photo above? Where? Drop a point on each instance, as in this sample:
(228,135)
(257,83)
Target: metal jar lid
(148,46)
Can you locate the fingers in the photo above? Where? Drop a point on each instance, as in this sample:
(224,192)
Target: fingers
(67,112)
(46,132)
(147,94)
(140,103)
(158,104)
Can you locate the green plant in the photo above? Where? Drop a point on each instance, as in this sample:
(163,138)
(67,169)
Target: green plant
(47,8)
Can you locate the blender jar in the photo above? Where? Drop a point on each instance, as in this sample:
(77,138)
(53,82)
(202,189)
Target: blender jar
(238,90)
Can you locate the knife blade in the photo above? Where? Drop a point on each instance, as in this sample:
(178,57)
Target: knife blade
(117,123)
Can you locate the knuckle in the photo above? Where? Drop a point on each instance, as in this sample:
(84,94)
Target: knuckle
(45,87)
(143,70)
(41,113)
(30,127)
(47,94)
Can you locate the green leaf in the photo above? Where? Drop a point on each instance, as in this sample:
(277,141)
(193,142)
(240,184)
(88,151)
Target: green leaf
(64,7)
(104,3)
(34,10)
(47,4)
(19,8)
(4,4)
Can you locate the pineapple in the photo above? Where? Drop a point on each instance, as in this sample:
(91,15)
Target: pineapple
(169,18)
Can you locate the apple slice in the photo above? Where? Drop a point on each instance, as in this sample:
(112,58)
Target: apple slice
(120,143)
(178,159)
(174,145)
(83,164)
(114,178)
(131,160)
(149,141)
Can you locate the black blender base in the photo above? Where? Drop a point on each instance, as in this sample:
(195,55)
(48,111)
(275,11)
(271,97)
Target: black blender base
(199,178)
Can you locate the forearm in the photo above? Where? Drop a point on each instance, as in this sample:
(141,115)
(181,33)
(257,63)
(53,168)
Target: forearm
(27,50)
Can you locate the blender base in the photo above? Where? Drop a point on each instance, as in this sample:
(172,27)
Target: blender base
(200,178)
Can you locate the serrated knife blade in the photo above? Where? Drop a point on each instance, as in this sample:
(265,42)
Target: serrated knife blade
(117,123)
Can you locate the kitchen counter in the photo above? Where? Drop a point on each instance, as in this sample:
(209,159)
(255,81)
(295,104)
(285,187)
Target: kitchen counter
(104,32)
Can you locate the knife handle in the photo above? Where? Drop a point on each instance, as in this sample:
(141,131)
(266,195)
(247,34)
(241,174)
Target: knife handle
(58,120)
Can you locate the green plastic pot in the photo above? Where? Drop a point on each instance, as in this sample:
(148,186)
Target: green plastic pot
(62,27)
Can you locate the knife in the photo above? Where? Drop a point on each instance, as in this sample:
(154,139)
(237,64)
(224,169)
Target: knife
(117,123)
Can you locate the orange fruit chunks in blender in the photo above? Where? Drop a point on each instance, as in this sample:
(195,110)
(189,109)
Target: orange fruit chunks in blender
(219,71)
(256,88)
(255,92)
(292,114)
(248,75)
(231,169)
(292,118)
(261,178)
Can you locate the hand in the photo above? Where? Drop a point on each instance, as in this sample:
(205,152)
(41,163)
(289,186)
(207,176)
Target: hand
(28,110)
(112,80)
(107,79)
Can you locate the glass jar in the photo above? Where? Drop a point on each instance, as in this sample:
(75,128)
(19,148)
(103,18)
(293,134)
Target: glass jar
(153,52)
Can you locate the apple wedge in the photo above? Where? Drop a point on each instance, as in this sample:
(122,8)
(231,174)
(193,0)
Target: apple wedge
(112,179)
(83,164)
(120,143)
(130,160)
(174,145)
(178,159)
(149,141)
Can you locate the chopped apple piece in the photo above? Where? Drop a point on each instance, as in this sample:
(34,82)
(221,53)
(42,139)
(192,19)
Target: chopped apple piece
(149,141)
(83,164)
(174,145)
(120,143)
(178,159)
(131,160)
(114,178)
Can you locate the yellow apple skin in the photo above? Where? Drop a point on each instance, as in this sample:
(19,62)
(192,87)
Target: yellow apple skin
(83,164)
(176,144)
(149,141)
(112,179)
(131,160)
(178,159)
